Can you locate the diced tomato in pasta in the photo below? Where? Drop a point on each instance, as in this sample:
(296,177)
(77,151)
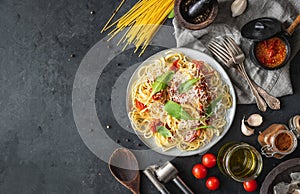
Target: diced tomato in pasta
(153,124)
(175,66)
(140,105)
(157,95)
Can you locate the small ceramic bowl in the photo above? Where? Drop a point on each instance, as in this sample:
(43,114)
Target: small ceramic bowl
(271,48)
(200,21)
(277,60)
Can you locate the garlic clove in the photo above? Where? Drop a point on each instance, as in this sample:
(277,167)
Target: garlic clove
(294,125)
(296,121)
(238,7)
(254,120)
(245,129)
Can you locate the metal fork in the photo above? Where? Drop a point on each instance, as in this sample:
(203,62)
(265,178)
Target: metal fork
(239,57)
(231,55)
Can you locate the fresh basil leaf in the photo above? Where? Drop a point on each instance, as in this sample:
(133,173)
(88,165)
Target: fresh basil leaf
(161,82)
(158,86)
(175,110)
(171,14)
(212,105)
(184,87)
(163,131)
(204,127)
(166,77)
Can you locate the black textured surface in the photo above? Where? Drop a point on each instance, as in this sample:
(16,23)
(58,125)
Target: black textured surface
(41,46)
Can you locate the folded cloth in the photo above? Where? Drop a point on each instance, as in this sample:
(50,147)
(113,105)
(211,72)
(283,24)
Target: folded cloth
(275,82)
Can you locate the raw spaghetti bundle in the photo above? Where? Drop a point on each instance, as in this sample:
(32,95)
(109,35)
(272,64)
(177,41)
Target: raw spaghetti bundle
(142,22)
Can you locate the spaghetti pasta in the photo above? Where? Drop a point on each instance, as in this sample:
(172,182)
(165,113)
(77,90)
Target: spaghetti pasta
(187,119)
(142,22)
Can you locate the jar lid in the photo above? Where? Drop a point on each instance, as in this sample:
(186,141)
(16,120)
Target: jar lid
(261,28)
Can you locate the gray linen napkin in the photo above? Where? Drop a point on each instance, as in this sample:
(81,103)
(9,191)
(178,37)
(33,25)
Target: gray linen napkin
(276,82)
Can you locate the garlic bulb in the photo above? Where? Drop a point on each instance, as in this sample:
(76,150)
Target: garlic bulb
(238,7)
(254,120)
(245,129)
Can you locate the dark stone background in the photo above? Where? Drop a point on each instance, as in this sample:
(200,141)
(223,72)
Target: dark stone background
(41,46)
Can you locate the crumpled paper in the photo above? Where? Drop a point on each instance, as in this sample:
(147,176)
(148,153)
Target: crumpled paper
(275,82)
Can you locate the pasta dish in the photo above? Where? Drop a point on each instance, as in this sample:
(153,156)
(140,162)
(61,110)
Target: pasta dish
(180,102)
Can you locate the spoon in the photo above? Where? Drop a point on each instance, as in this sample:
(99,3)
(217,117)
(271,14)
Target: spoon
(124,167)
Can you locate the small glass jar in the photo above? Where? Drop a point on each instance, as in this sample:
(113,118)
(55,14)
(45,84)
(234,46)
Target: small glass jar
(283,142)
(239,161)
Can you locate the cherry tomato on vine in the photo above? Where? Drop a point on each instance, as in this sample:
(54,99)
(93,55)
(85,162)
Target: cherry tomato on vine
(212,183)
(250,185)
(209,160)
(199,171)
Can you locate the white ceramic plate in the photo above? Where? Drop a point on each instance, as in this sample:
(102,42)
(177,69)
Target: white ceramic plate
(197,55)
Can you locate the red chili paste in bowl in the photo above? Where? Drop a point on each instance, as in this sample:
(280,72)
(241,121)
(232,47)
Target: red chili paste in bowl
(271,52)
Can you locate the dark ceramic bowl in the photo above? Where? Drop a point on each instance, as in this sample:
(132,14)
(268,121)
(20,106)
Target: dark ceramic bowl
(264,29)
(258,63)
(186,22)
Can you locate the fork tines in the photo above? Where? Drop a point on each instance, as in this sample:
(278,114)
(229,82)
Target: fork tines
(230,46)
(219,51)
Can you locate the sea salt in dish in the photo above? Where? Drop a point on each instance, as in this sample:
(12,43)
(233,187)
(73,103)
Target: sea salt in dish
(289,188)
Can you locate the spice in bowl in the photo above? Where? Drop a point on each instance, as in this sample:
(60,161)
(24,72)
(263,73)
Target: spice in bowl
(271,53)
(283,142)
(195,14)
(277,141)
(196,11)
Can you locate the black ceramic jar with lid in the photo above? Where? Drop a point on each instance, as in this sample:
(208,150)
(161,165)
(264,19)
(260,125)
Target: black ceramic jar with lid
(271,48)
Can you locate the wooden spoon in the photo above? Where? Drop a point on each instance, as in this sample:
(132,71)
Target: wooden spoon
(293,26)
(124,167)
